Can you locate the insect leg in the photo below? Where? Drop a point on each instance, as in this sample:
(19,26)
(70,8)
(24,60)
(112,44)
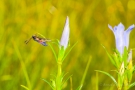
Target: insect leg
(28,40)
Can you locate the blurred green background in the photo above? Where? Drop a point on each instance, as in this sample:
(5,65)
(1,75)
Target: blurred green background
(89,19)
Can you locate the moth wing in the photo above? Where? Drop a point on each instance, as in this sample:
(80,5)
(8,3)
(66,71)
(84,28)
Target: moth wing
(43,43)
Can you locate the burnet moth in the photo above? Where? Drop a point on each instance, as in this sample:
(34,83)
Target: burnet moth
(39,40)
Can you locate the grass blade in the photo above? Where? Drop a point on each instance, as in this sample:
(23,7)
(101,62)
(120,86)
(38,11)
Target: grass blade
(64,75)
(48,83)
(96,80)
(131,85)
(25,87)
(66,80)
(23,66)
(71,85)
(110,57)
(84,75)
(109,76)
(53,52)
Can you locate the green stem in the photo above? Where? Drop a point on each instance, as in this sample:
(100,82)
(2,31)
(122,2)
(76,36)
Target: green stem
(59,72)
(59,76)
(96,80)
(119,83)
(125,84)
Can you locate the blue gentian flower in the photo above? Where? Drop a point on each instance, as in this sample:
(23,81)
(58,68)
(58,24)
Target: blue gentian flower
(65,35)
(121,36)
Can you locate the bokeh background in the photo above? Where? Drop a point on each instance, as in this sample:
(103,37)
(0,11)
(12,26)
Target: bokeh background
(89,19)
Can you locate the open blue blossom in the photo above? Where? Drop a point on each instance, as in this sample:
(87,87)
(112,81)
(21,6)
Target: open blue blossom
(65,35)
(121,36)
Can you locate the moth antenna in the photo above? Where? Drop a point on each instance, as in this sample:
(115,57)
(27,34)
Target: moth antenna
(28,40)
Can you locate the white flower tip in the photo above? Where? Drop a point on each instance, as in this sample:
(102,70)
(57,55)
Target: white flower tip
(110,27)
(121,25)
(67,17)
(67,21)
(131,27)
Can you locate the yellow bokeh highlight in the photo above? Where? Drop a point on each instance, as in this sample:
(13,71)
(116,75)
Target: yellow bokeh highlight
(131,4)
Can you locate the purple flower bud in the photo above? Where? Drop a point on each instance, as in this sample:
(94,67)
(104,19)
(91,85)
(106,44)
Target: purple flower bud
(65,35)
(129,56)
(121,36)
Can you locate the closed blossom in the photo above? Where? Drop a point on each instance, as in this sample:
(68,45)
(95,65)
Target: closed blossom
(65,35)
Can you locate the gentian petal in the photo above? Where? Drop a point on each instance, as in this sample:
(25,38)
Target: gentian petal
(126,35)
(65,35)
(118,33)
(110,27)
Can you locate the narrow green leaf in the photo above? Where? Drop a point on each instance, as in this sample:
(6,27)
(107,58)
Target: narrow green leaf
(116,59)
(118,56)
(53,52)
(64,75)
(66,80)
(71,84)
(23,66)
(115,71)
(48,83)
(120,80)
(133,68)
(129,75)
(96,80)
(110,57)
(79,88)
(86,69)
(69,51)
(125,56)
(53,75)
(109,76)
(56,42)
(84,75)
(25,87)
(132,84)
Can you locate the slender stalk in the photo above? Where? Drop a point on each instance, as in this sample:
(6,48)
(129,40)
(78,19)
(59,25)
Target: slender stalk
(85,72)
(125,84)
(118,86)
(71,83)
(96,80)
(59,75)
(23,68)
